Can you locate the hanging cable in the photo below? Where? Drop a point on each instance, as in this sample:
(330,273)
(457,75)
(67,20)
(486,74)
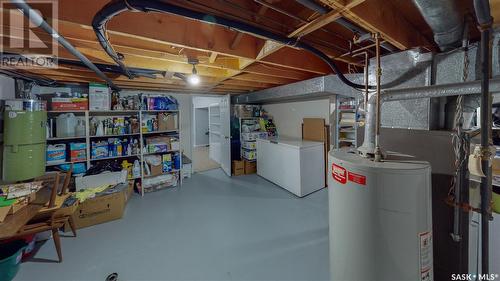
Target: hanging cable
(115,8)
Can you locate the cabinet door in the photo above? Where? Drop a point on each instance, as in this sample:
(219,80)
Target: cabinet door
(225,128)
(214,138)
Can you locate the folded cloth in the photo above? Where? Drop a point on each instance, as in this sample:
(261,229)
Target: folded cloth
(88,193)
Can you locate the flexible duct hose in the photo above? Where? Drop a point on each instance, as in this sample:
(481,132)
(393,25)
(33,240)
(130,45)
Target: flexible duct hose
(114,8)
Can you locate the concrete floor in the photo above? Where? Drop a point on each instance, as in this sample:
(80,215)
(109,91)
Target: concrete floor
(202,161)
(211,228)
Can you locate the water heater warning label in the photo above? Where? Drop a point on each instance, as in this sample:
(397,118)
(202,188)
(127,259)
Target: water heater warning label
(426,255)
(339,173)
(356,178)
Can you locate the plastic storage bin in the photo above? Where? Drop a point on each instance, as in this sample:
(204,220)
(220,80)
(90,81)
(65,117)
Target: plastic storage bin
(11,254)
(66,125)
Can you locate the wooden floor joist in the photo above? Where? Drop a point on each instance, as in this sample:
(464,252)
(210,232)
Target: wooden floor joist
(229,61)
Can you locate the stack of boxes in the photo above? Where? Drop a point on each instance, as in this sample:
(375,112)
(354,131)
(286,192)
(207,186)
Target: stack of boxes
(244,167)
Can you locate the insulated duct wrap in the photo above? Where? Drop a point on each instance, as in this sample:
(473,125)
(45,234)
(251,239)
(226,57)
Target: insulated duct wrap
(405,70)
(408,69)
(445,21)
(495,66)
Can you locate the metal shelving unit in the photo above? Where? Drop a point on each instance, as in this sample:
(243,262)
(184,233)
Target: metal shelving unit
(346,122)
(87,115)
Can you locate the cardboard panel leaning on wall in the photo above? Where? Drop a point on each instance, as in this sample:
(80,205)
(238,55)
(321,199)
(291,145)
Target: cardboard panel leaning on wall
(288,116)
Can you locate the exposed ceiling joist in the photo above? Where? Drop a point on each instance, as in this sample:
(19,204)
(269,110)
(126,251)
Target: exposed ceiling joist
(380,16)
(271,47)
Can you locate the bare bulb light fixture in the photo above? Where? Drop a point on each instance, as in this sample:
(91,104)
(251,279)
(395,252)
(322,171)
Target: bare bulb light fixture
(194,78)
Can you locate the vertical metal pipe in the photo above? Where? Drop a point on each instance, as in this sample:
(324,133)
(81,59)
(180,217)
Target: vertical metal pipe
(365,73)
(378,74)
(485,188)
(366,80)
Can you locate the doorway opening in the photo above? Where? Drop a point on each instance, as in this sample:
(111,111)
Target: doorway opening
(201,147)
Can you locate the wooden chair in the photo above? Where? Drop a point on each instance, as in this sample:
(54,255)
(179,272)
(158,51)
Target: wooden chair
(53,216)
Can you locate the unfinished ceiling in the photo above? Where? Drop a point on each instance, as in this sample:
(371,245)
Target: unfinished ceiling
(229,61)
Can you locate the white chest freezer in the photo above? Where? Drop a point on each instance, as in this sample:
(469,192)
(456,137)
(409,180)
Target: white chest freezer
(295,165)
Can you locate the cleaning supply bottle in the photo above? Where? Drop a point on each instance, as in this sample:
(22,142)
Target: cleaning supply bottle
(100,129)
(136,170)
(80,128)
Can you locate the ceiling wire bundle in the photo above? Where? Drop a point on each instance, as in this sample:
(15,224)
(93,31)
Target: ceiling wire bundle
(115,8)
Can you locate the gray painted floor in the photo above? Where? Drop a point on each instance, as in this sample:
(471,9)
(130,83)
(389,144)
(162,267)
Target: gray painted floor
(211,228)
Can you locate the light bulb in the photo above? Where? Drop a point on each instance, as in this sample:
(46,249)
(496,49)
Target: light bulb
(193,79)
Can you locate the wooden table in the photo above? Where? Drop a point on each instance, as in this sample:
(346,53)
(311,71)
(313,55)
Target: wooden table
(12,223)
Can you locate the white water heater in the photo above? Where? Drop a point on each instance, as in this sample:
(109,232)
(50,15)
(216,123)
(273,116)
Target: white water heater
(380,219)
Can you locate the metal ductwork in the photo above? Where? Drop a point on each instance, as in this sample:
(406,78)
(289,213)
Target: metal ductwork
(445,21)
(434,91)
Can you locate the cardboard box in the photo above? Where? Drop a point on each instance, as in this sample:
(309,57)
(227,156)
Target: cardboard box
(110,178)
(4,211)
(250,167)
(78,152)
(156,170)
(238,168)
(99,97)
(12,209)
(102,209)
(249,154)
(166,121)
(157,139)
(65,104)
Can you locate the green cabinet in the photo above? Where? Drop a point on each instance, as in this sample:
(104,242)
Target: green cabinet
(24,145)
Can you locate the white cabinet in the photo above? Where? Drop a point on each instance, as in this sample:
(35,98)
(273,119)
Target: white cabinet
(475,243)
(295,165)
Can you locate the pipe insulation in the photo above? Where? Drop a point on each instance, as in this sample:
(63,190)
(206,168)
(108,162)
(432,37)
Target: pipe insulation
(37,20)
(311,4)
(445,21)
(115,8)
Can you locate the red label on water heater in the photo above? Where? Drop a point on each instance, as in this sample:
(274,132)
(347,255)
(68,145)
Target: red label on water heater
(356,178)
(339,173)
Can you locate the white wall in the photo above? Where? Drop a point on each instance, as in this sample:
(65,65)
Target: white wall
(7,88)
(200,124)
(200,102)
(288,116)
